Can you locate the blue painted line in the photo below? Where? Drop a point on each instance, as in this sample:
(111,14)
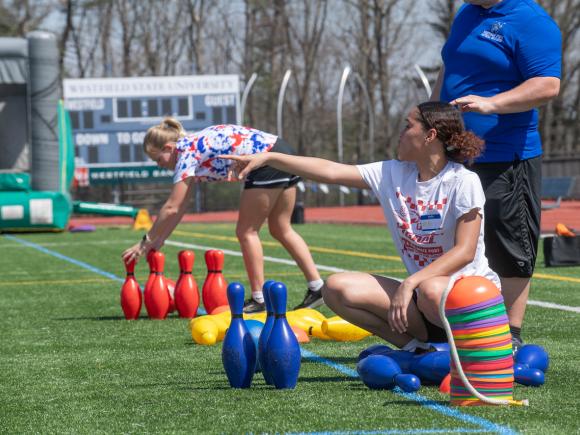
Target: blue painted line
(65,258)
(393,432)
(482,423)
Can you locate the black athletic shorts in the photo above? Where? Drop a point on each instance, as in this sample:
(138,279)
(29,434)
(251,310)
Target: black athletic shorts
(435,334)
(268,177)
(512,214)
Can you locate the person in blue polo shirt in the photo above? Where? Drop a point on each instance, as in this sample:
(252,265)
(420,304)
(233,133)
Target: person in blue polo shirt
(501,61)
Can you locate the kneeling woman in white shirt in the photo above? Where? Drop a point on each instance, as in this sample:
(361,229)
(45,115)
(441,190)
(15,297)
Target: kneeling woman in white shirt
(434,209)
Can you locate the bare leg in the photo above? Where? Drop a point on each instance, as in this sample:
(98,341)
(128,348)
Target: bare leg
(281,230)
(515,293)
(429,297)
(255,206)
(364,300)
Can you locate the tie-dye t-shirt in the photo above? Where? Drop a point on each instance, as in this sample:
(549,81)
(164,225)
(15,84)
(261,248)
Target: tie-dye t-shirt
(197,152)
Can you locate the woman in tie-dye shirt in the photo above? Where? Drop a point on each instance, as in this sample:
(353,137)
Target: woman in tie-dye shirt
(268,194)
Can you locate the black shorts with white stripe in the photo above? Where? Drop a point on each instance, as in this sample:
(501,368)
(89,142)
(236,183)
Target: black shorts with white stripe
(271,178)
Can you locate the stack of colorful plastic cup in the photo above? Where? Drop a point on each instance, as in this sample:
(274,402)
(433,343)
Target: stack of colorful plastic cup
(479,322)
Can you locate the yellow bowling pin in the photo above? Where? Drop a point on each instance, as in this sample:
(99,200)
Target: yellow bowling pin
(204,331)
(302,320)
(223,323)
(310,314)
(340,330)
(261,316)
(316,331)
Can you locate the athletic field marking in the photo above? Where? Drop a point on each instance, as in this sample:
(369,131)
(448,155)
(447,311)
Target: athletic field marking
(556,277)
(312,248)
(382,271)
(277,245)
(65,258)
(350,253)
(394,432)
(227,275)
(239,254)
(45,282)
(336,269)
(554,306)
(487,425)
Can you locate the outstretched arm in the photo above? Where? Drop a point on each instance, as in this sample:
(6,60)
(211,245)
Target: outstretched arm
(169,216)
(312,168)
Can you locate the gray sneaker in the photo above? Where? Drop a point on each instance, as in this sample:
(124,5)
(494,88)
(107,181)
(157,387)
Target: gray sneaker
(253,306)
(516,345)
(312,299)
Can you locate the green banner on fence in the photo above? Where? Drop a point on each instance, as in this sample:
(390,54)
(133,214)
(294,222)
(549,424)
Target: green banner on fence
(124,174)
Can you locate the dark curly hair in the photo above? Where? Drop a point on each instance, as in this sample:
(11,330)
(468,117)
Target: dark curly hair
(460,145)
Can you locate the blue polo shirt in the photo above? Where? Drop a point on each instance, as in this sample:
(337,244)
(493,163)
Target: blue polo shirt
(493,50)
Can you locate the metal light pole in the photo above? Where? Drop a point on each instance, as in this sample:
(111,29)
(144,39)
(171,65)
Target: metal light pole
(424,80)
(343,80)
(245,94)
(281,94)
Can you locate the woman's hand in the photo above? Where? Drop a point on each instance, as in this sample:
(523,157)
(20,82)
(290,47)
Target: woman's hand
(397,315)
(475,103)
(136,251)
(243,165)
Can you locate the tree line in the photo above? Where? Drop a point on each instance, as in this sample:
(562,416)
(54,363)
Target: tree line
(381,40)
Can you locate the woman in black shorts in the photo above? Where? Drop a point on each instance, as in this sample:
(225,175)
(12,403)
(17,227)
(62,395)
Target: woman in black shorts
(268,194)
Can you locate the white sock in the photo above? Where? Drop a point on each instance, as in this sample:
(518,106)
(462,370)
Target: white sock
(415,344)
(258,296)
(315,285)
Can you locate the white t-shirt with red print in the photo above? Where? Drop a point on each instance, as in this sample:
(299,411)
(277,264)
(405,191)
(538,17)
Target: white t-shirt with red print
(422,215)
(197,152)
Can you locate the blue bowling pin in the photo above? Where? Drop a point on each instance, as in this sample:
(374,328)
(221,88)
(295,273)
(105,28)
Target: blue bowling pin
(403,358)
(266,332)
(238,350)
(375,349)
(380,372)
(282,348)
(528,376)
(255,330)
(431,367)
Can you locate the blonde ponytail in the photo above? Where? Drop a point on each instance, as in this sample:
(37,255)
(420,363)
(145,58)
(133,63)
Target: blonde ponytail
(168,130)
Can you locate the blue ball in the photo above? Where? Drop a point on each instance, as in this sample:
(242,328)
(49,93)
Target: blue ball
(255,329)
(375,349)
(378,372)
(534,357)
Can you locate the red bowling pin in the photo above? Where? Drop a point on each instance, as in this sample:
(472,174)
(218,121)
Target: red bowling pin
(131,294)
(171,292)
(157,296)
(151,272)
(186,291)
(214,292)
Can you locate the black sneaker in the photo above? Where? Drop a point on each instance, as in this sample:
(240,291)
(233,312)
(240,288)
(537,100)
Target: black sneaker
(517,343)
(253,306)
(312,299)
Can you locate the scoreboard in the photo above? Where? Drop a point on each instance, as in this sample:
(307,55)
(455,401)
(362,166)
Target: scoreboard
(109,118)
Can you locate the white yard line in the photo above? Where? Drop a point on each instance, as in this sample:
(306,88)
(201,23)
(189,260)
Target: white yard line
(337,269)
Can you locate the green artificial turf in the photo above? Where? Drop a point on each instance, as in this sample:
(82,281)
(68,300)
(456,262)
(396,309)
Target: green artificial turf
(71,363)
